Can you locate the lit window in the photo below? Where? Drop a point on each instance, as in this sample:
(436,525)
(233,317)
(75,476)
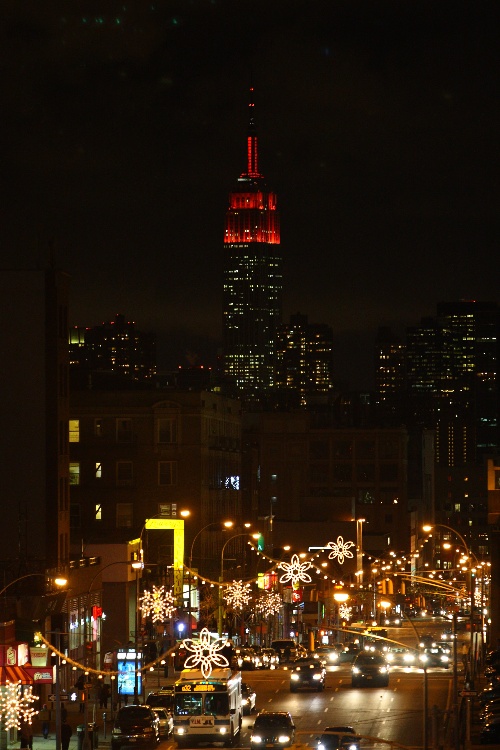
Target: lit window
(98,470)
(74,430)
(98,427)
(98,512)
(74,473)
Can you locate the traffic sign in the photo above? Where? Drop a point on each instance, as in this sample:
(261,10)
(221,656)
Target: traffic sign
(62,697)
(468,693)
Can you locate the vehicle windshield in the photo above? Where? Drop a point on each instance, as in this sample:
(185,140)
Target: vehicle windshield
(263,722)
(196,705)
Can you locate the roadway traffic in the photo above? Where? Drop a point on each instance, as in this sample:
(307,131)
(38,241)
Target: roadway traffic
(394,714)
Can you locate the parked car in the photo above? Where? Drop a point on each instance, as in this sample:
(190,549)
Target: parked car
(248,698)
(307,672)
(488,694)
(135,725)
(370,667)
(273,729)
(166,722)
(338,738)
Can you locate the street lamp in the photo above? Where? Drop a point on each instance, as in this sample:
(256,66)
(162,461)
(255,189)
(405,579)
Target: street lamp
(226,525)
(340,597)
(256,535)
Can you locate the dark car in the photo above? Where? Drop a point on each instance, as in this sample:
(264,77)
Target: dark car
(135,725)
(246,658)
(248,698)
(488,694)
(490,732)
(370,667)
(434,656)
(286,648)
(273,729)
(338,738)
(349,652)
(307,672)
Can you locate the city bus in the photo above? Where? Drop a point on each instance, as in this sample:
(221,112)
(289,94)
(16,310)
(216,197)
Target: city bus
(207,709)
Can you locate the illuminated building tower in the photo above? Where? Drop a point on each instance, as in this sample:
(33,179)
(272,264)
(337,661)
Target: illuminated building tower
(252,279)
(304,361)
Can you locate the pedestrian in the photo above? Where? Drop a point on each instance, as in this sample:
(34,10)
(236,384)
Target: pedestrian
(26,735)
(44,717)
(103,695)
(64,712)
(66,733)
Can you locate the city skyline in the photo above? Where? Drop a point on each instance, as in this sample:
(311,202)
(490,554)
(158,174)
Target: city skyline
(124,133)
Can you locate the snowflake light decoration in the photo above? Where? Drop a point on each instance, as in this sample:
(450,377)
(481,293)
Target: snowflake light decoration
(158,603)
(345,612)
(340,549)
(204,653)
(238,594)
(269,604)
(17,706)
(295,571)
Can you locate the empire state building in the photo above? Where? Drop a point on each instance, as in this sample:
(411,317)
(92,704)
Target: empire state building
(252,278)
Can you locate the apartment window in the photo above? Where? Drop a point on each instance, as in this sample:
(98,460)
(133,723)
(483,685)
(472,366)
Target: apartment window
(74,473)
(75,516)
(167,472)
(74,430)
(124,473)
(124,430)
(98,512)
(167,430)
(98,427)
(388,472)
(124,515)
(98,470)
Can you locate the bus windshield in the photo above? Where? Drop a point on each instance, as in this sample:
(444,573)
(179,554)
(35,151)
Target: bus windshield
(190,704)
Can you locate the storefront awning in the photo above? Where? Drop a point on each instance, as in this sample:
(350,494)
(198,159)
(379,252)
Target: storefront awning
(39,675)
(14,674)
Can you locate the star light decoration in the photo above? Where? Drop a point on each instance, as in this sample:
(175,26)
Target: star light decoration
(269,604)
(238,595)
(345,612)
(17,706)
(158,603)
(340,550)
(295,571)
(205,654)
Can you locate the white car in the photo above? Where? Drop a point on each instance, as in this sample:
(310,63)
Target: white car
(166,721)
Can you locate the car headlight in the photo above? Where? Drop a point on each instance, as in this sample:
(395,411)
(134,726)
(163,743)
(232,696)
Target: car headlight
(390,657)
(356,670)
(256,738)
(423,658)
(333,656)
(320,746)
(409,658)
(180,730)
(294,676)
(444,658)
(383,670)
(283,739)
(223,730)
(317,676)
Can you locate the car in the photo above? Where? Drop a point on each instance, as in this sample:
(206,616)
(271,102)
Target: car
(427,640)
(434,657)
(398,656)
(307,672)
(164,698)
(370,667)
(273,729)
(286,648)
(269,658)
(329,654)
(349,652)
(393,621)
(248,698)
(135,725)
(489,710)
(166,722)
(246,658)
(490,732)
(448,635)
(338,738)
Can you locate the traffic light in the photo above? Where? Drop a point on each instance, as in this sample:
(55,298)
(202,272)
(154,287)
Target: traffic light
(260,543)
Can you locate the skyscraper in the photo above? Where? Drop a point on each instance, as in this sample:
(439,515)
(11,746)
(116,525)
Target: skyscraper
(252,278)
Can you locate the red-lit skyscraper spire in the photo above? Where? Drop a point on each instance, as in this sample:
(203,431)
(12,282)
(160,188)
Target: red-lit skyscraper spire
(252,276)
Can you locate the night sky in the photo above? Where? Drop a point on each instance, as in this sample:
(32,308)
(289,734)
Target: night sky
(123,130)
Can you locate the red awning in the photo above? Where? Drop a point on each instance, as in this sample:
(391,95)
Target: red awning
(39,675)
(14,674)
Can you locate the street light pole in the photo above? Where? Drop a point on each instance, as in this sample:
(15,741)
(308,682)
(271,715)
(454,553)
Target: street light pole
(221,578)
(227,525)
